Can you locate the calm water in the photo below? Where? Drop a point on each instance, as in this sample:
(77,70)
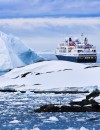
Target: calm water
(16,113)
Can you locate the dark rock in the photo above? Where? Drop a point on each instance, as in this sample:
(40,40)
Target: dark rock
(58,70)
(40,60)
(16,77)
(47,108)
(9,70)
(84,103)
(53,108)
(91,67)
(8,90)
(50,72)
(67,69)
(23,91)
(37,84)
(60,92)
(24,75)
(37,73)
(93,119)
(93,94)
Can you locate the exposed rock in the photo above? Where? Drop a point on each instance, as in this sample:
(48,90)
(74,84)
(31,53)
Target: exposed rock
(60,92)
(93,94)
(16,77)
(53,108)
(67,69)
(93,119)
(48,108)
(24,75)
(86,105)
(50,72)
(37,73)
(9,90)
(37,84)
(91,67)
(45,92)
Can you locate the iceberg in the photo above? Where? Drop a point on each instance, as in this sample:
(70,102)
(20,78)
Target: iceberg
(14,53)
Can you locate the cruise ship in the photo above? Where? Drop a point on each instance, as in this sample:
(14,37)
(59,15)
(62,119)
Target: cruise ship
(76,51)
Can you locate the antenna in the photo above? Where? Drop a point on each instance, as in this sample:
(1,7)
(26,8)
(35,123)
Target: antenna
(82,38)
(82,35)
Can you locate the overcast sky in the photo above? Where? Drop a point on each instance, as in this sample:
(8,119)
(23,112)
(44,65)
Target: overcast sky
(42,24)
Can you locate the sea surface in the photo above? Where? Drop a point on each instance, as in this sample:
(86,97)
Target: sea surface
(17,113)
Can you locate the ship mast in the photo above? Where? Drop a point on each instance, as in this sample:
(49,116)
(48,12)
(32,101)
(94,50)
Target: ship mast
(82,38)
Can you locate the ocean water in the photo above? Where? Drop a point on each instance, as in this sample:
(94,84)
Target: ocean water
(17,113)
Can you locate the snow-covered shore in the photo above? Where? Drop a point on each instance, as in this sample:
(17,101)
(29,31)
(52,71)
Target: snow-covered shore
(52,75)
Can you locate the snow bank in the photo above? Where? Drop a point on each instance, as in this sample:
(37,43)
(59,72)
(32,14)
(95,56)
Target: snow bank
(46,67)
(52,75)
(13,53)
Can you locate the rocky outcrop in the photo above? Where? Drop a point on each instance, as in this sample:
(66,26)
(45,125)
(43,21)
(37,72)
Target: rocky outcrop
(53,108)
(24,75)
(93,94)
(86,105)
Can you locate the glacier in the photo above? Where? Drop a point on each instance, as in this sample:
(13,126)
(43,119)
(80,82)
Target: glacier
(14,53)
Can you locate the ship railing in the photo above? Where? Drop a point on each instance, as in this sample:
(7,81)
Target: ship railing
(78,46)
(63,44)
(84,47)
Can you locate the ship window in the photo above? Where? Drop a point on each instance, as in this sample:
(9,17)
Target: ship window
(87,57)
(80,50)
(69,50)
(64,50)
(93,50)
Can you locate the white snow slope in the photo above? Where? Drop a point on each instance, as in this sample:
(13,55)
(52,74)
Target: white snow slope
(13,53)
(52,75)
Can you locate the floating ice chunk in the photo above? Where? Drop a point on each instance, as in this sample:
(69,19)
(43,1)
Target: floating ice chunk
(79,99)
(14,121)
(71,128)
(97,99)
(83,128)
(91,88)
(35,128)
(53,118)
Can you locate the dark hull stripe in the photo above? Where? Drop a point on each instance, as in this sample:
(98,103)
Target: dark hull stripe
(81,59)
